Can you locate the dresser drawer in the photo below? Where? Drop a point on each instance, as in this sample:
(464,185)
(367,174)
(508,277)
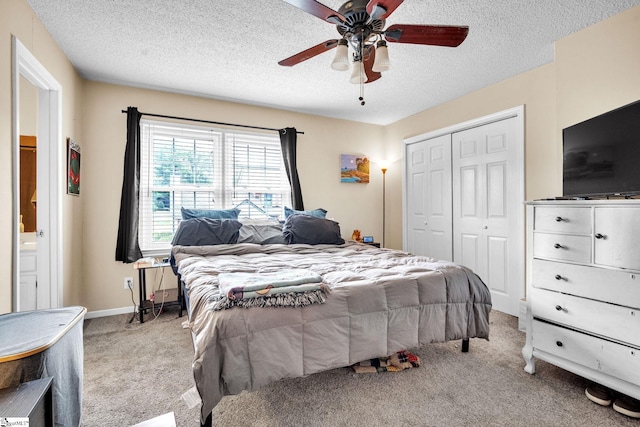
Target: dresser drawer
(562,247)
(601,355)
(614,286)
(562,219)
(599,318)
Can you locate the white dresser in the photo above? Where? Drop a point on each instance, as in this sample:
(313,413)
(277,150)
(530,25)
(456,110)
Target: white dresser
(583,290)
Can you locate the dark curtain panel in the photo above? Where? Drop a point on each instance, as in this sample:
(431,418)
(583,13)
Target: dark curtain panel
(288,141)
(127,248)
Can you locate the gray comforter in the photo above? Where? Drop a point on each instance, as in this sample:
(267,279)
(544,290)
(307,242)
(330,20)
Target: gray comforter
(381,301)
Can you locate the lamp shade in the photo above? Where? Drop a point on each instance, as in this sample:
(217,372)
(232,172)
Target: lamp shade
(381,63)
(341,60)
(358,74)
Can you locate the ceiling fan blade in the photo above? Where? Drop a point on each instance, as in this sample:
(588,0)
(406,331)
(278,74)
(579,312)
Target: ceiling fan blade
(319,10)
(375,6)
(437,35)
(309,53)
(369,59)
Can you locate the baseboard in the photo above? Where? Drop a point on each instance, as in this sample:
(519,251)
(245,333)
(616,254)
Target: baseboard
(110,312)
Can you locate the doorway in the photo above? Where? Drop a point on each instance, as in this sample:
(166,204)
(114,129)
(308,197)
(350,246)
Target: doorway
(46,263)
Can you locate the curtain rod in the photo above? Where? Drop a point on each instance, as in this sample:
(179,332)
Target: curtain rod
(209,121)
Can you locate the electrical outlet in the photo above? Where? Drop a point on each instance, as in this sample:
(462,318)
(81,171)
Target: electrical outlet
(128,282)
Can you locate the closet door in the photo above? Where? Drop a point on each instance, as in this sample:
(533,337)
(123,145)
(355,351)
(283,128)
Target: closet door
(428,169)
(486,183)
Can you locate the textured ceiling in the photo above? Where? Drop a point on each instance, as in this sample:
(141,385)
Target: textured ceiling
(229,49)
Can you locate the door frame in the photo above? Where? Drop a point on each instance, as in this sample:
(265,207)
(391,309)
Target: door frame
(49,138)
(517,112)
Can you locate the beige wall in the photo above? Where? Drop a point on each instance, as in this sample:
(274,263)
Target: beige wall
(598,68)
(595,70)
(17,18)
(28,108)
(319,149)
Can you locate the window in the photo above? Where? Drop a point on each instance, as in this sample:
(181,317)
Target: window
(202,168)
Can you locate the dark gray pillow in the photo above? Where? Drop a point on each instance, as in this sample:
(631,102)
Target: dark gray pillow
(262,234)
(311,230)
(206,231)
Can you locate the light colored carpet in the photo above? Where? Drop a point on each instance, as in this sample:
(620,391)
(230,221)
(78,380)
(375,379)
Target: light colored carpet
(134,372)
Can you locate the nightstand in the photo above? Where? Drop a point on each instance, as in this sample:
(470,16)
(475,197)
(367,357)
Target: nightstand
(142,288)
(376,244)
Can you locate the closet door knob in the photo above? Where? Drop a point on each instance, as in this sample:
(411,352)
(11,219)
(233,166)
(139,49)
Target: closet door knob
(558,246)
(559,219)
(600,236)
(559,343)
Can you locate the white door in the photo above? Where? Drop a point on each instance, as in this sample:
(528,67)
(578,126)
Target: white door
(487,208)
(49,259)
(428,180)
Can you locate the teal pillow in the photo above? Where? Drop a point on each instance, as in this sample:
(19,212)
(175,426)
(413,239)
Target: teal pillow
(318,213)
(210,213)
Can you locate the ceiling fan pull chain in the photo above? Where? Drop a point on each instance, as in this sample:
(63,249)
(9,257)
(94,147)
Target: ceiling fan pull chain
(361,98)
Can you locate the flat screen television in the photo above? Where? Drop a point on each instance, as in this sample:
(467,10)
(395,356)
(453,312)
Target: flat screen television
(601,156)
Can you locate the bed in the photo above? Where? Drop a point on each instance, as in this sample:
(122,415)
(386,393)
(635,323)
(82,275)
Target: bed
(369,302)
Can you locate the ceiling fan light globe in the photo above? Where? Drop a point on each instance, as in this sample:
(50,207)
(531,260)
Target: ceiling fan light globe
(381,62)
(341,60)
(358,74)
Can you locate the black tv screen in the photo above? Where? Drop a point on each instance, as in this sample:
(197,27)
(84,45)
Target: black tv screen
(601,156)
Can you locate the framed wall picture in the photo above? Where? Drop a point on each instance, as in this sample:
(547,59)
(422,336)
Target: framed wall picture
(354,168)
(73,167)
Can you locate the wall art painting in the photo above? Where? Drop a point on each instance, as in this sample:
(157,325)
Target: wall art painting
(73,167)
(354,168)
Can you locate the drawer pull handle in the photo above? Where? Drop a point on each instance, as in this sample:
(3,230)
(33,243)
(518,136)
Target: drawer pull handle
(558,246)
(559,277)
(559,219)
(559,343)
(600,236)
(561,308)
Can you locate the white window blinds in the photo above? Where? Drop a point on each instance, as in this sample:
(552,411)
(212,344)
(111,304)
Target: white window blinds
(203,168)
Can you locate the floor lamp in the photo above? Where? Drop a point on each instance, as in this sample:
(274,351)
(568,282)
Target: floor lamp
(384,174)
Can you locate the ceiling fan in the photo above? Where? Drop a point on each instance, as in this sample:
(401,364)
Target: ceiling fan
(361,24)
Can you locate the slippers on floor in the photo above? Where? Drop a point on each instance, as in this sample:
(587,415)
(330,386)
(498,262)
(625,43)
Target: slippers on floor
(623,404)
(628,406)
(599,394)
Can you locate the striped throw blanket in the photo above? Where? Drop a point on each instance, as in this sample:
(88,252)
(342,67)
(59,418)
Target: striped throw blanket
(289,288)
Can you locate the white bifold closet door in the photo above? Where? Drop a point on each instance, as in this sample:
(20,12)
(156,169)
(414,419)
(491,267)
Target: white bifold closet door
(429,213)
(464,193)
(486,205)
